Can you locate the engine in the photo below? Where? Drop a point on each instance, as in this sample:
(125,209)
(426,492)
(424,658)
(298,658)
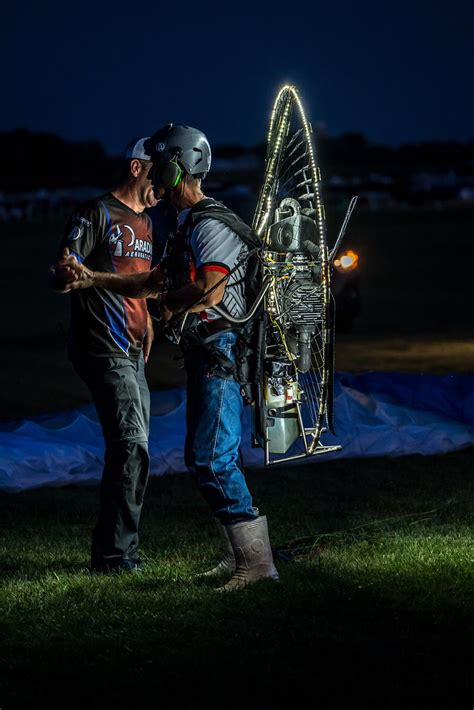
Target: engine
(294,258)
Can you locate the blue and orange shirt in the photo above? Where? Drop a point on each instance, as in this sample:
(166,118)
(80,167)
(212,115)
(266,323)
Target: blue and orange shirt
(106,235)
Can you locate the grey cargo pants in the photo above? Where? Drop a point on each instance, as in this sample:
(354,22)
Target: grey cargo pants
(122,400)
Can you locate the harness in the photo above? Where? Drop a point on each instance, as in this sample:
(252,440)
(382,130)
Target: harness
(202,335)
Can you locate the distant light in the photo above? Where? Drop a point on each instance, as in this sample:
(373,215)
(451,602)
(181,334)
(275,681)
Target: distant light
(348,261)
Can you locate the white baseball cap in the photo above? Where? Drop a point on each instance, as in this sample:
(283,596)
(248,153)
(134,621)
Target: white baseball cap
(136,149)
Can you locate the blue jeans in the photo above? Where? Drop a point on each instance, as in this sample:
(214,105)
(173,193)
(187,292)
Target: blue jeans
(214,429)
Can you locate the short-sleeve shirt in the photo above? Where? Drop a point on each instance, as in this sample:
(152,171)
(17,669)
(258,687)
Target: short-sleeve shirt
(216,247)
(108,236)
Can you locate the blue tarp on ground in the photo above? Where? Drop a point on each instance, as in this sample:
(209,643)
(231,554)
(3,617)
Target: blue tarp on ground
(377,414)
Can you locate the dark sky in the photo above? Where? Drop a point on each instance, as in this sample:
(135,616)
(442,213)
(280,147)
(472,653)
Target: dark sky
(397,72)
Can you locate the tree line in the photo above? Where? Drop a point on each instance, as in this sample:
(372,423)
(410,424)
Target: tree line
(33,159)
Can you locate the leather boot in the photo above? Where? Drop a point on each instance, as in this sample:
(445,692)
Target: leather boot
(227,562)
(253,554)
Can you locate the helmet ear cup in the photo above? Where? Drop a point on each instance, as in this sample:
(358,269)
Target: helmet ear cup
(170,174)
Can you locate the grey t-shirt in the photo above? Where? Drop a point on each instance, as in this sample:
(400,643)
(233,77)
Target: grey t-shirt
(217,248)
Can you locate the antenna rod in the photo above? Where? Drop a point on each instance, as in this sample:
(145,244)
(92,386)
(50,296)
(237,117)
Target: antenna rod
(342,231)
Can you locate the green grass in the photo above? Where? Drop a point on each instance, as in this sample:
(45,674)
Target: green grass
(377,601)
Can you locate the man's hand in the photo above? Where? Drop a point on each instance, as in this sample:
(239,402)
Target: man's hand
(165,312)
(72,274)
(60,275)
(148,339)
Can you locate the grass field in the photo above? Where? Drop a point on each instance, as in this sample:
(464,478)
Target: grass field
(376,601)
(376,556)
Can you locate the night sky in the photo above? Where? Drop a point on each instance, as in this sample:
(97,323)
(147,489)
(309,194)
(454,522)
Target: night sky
(397,72)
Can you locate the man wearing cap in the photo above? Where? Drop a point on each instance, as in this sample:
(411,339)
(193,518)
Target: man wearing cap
(109,342)
(206,265)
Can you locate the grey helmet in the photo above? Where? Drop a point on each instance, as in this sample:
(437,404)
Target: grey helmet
(187,146)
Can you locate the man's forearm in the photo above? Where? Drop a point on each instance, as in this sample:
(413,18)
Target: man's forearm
(147,284)
(203,293)
(68,274)
(183,299)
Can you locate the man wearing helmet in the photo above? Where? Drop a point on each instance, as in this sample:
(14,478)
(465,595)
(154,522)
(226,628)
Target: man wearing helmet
(205,263)
(109,341)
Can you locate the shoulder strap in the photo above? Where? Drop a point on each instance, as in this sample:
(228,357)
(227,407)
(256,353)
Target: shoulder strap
(212,209)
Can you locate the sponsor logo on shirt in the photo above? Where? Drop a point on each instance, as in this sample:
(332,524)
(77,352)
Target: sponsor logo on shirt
(113,237)
(80,224)
(125,243)
(74,234)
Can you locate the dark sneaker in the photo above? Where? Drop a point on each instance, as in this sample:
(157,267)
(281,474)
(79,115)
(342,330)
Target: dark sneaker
(117,566)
